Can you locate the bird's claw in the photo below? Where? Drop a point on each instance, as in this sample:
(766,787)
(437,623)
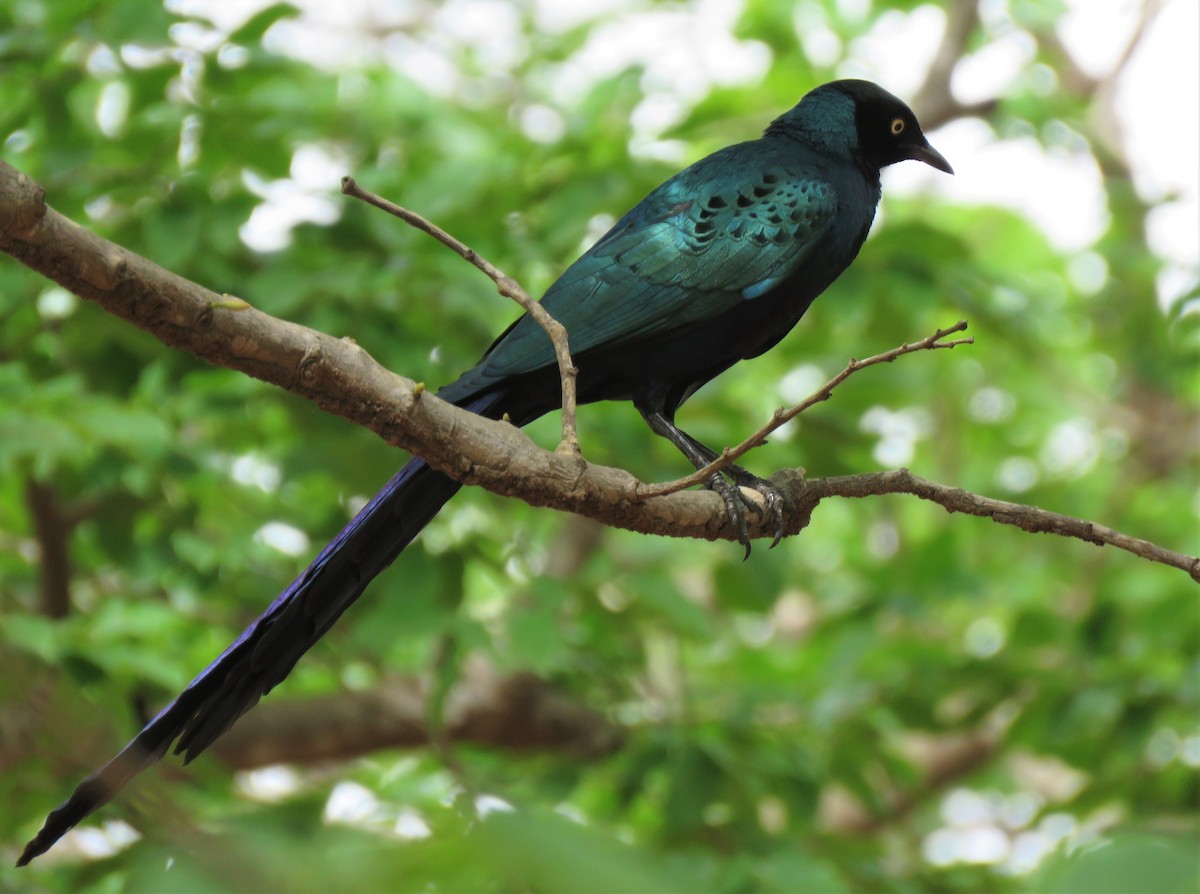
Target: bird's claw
(736,502)
(733,497)
(774,509)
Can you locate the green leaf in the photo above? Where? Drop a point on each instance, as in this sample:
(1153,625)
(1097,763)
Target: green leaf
(252,30)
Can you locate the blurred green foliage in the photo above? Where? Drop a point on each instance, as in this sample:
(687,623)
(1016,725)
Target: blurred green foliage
(759,696)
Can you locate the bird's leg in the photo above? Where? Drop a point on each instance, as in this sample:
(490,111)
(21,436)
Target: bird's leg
(700,455)
(743,478)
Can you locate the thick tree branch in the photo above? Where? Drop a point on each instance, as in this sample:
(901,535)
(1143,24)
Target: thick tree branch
(342,378)
(520,711)
(336,374)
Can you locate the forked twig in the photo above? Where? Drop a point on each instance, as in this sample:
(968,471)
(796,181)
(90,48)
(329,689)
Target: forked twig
(782,415)
(506,286)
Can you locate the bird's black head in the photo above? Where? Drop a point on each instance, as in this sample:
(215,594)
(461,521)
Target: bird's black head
(864,120)
(888,130)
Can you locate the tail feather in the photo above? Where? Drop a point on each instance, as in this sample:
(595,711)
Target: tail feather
(265,652)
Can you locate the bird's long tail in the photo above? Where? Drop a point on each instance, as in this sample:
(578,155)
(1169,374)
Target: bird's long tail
(267,650)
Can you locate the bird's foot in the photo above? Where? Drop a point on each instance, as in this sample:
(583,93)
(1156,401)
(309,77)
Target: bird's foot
(736,501)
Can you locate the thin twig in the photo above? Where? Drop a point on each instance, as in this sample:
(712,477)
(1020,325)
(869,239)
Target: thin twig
(782,415)
(506,286)
(1028,518)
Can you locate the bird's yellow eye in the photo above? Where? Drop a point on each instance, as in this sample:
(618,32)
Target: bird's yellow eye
(897,126)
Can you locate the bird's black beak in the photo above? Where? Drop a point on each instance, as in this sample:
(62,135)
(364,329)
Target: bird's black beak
(922,151)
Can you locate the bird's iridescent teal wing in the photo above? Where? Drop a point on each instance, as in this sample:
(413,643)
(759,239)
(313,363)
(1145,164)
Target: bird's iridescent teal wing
(693,249)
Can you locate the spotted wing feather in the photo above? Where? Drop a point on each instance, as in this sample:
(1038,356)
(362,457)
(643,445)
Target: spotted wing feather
(691,250)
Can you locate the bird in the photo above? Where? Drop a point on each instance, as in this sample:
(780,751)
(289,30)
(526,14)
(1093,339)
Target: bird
(714,266)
